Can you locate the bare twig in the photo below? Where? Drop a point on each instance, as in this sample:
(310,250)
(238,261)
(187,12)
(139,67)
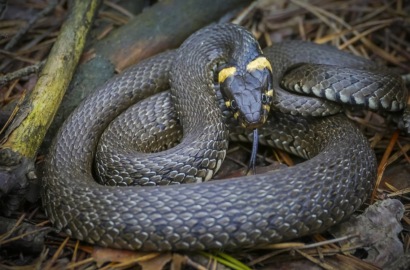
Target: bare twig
(21,73)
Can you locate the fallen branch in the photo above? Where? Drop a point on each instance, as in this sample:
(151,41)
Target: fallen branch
(25,135)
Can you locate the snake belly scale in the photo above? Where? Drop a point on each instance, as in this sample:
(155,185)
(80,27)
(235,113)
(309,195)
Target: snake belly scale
(229,214)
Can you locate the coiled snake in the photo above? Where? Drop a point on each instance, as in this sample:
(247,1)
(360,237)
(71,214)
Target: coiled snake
(228,214)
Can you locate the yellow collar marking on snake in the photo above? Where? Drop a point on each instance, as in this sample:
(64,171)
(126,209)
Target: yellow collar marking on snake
(225,73)
(259,63)
(267,106)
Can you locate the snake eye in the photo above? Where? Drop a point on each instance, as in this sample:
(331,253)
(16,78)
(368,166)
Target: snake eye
(234,106)
(265,99)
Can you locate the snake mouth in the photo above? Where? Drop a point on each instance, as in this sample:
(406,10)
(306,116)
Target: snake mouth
(252,120)
(253,125)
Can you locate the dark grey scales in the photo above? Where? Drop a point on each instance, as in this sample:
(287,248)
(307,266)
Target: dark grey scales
(229,214)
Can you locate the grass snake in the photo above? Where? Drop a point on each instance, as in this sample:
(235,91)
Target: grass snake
(227,214)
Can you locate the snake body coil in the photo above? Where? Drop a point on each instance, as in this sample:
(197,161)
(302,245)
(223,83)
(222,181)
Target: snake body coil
(245,212)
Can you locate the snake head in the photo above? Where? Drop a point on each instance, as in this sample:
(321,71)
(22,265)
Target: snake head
(248,91)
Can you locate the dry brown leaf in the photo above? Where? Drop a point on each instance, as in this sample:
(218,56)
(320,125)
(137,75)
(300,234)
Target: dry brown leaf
(104,255)
(377,229)
(156,263)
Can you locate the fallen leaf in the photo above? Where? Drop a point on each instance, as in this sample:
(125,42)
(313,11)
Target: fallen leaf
(105,255)
(377,229)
